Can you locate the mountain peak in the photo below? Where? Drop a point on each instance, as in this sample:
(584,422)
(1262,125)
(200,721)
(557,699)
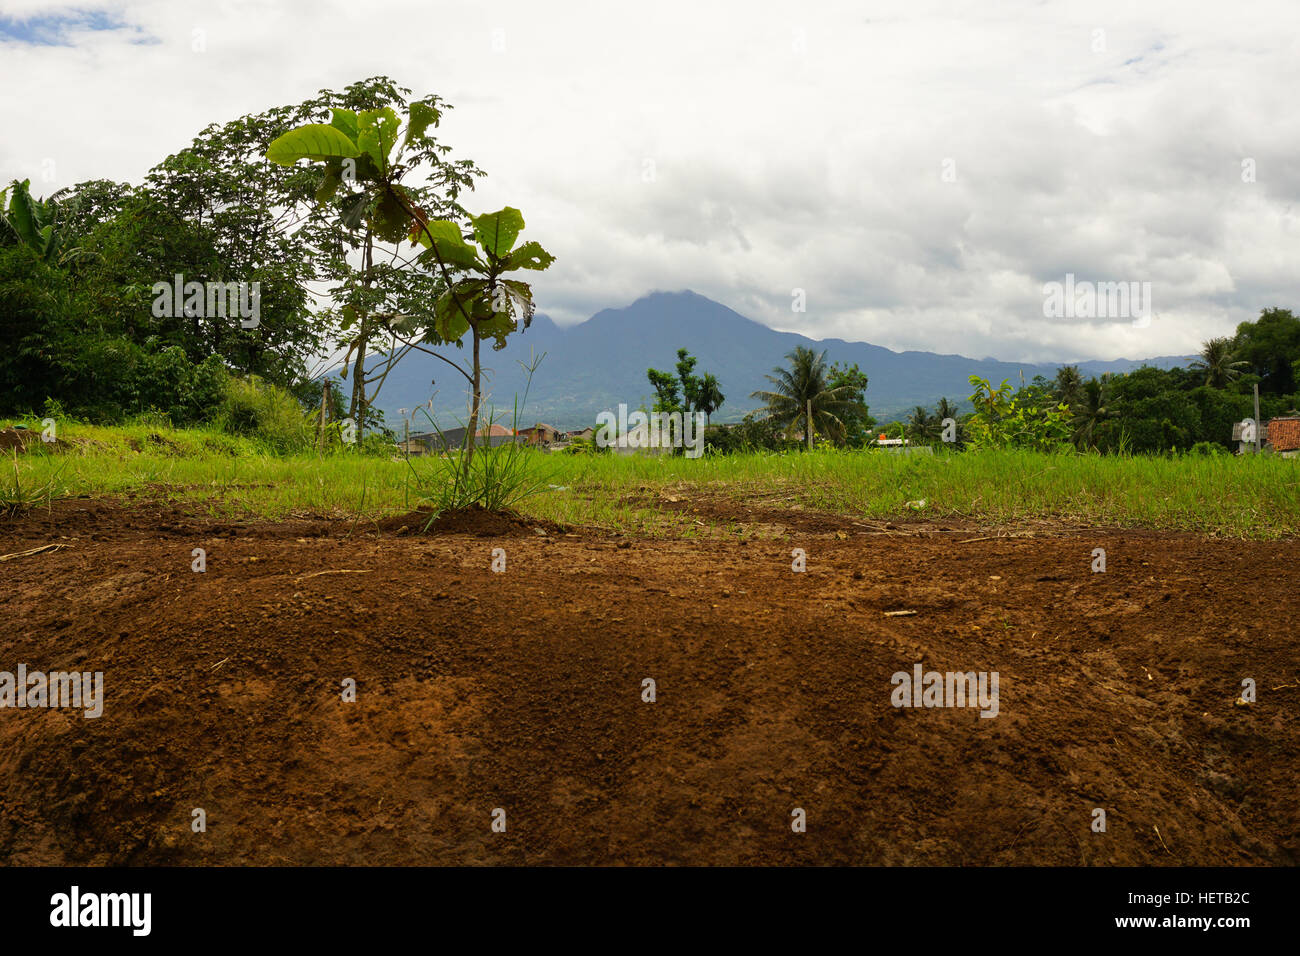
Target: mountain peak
(599,363)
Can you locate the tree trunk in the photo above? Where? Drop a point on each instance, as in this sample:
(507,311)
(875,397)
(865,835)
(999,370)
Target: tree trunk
(357,408)
(471,434)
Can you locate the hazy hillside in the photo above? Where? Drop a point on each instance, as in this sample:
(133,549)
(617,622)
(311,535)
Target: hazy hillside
(597,364)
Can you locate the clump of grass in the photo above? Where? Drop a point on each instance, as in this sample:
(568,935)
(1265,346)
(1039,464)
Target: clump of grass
(496,479)
(18,497)
(265,413)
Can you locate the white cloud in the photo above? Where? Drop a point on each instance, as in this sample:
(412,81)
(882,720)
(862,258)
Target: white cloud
(791,147)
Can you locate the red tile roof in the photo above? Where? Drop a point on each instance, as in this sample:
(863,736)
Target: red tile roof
(1284,434)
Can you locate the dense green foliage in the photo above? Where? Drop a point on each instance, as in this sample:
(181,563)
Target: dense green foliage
(1148,410)
(82,321)
(698,393)
(804,400)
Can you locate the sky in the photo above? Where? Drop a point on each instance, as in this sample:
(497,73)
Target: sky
(912,174)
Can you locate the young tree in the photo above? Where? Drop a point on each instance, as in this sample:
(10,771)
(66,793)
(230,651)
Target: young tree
(665,386)
(473,296)
(357,213)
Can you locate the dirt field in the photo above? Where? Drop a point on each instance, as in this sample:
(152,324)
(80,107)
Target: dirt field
(523,691)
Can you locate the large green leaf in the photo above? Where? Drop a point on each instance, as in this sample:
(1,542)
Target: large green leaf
(354,208)
(49,244)
(497,231)
(314,141)
(345,121)
(454,251)
(528,256)
(392,221)
(376,134)
(450,321)
(497,326)
(422,115)
(22,217)
(330,184)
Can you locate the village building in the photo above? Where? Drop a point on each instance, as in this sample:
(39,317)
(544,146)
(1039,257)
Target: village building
(1284,436)
(489,436)
(541,434)
(1281,436)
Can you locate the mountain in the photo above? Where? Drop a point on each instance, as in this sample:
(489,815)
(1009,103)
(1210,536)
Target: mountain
(595,365)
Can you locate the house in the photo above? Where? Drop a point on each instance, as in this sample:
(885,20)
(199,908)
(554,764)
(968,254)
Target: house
(1239,436)
(540,434)
(585,434)
(1280,436)
(489,436)
(901,445)
(1284,436)
(413,447)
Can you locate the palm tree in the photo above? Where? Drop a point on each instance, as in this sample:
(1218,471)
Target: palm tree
(1068,385)
(921,425)
(1218,363)
(1090,410)
(942,412)
(708,397)
(796,386)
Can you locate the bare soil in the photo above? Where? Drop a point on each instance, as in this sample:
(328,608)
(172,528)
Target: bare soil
(522,691)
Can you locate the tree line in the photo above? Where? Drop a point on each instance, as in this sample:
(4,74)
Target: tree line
(1148,410)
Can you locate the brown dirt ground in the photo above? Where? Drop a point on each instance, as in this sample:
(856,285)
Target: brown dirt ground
(522,690)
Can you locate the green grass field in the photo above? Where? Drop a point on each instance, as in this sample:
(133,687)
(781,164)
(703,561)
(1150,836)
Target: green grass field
(217,474)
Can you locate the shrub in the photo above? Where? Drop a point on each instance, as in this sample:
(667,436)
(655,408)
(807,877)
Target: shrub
(272,416)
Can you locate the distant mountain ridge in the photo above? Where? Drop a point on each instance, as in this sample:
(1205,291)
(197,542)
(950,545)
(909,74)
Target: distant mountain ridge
(595,365)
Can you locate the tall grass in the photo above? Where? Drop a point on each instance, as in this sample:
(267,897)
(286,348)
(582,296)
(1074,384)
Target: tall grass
(495,478)
(20,493)
(1249,497)
(255,409)
(216,473)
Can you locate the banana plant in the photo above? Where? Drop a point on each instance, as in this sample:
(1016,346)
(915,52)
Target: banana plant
(363,149)
(31,220)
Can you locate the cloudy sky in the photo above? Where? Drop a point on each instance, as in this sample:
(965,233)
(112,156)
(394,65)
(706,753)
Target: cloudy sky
(918,170)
